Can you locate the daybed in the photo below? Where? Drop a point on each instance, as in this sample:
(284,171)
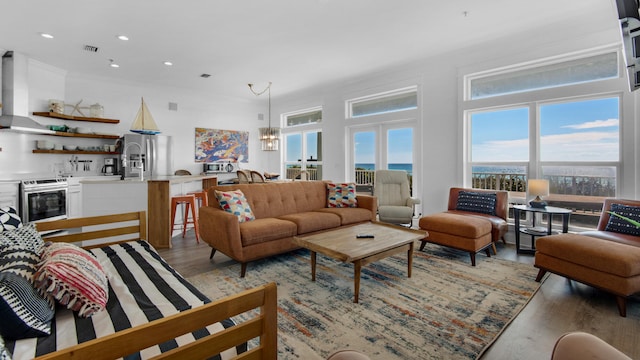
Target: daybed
(271,214)
(607,258)
(150,306)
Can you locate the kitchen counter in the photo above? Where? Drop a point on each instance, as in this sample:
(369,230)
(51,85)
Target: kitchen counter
(172,179)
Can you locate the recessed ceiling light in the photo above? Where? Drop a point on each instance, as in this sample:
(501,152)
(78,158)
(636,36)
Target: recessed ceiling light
(112,64)
(168,63)
(47,36)
(123,37)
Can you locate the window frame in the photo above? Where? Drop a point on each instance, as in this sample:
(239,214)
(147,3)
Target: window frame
(381,96)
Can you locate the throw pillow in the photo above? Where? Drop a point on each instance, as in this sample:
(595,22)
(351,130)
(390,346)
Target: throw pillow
(479,202)
(620,225)
(236,203)
(9,218)
(24,312)
(341,195)
(26,236)
(73,276)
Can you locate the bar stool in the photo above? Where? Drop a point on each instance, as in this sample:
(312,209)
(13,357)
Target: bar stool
(188,200)
(201,197)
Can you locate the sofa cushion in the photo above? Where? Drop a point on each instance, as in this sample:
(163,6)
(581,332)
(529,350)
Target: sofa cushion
(9,218)
(454,224)
(236,203)
(264,230)
(24,312)
(476,202)
(26,236)
(349,215)
(312,221)
(598,254)
(619,225)
(341,195)
(74,277)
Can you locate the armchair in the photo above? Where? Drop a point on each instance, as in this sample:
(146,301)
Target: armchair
(395,204)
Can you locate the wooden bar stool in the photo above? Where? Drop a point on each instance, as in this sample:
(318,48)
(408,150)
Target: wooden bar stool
(189,201)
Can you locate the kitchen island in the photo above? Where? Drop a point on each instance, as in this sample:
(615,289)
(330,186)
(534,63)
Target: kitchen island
(160,189)
(102,197)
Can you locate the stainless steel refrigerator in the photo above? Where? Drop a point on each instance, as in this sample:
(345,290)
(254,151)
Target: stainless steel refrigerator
(151,153)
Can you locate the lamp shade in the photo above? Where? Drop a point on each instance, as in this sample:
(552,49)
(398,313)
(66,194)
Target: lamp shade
(269,138)
(538,187)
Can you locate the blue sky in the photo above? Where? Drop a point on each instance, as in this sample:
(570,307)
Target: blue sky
(574,131)
(400,144)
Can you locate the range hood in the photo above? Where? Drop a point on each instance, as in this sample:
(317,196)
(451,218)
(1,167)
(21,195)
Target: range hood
(15,97)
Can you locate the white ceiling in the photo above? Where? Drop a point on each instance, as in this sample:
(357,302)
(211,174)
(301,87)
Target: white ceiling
(293,43)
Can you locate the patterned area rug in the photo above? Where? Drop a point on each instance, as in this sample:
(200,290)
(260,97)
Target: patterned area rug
(446,310)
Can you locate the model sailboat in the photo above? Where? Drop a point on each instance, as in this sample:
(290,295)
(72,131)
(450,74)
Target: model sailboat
(144,123)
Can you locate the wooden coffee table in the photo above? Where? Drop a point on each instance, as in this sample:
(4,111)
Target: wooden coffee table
(342,244)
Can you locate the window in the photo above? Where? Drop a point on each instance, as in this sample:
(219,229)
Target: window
(310,116)
(573,141)
(541,76)
(397,100)
(303,155)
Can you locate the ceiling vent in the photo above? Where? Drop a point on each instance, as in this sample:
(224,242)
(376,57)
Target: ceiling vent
(205,76)
(91,48)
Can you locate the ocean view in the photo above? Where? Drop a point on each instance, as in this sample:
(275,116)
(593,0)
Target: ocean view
(368,166)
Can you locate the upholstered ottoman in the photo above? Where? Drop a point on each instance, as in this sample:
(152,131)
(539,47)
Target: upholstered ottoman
(604,264)
(467,233)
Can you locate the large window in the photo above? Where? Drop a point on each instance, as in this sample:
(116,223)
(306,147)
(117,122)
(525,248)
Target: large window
(569,137)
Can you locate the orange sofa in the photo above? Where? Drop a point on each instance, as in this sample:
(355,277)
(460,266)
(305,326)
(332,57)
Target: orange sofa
(282,210)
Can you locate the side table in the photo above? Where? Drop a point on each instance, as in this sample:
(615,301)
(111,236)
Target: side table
(537,231)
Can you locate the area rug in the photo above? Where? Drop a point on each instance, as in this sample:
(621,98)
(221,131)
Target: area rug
(446,310)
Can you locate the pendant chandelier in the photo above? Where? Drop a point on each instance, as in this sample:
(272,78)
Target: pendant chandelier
(269,136)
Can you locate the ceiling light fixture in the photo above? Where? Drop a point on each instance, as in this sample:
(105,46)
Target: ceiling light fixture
(269,136)
(168,63)
(123,37)
(112,64)
(46,36)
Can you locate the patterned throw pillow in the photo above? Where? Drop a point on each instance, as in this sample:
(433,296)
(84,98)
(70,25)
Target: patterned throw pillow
(9,218)
(484,203)
(236,203)
(26,236)
(73,276)
(24,312)
(622,226)
(341,195)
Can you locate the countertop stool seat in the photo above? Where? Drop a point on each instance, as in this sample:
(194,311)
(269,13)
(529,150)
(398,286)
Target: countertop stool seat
(460,232)
(189,201)
(201,197)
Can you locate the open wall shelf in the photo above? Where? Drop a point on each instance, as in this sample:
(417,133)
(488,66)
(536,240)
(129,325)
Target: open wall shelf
(75,118)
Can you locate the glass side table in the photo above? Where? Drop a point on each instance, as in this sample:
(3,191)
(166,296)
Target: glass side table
(538,231)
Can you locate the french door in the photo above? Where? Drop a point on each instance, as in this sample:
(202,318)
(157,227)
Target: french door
(381,146)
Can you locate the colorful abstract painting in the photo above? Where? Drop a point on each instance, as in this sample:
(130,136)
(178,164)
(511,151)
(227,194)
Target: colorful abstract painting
(221,145)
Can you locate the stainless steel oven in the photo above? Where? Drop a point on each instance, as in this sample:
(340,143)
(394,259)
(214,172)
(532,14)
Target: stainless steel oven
(43,199)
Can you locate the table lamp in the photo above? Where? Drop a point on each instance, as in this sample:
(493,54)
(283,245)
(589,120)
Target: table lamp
(537,188)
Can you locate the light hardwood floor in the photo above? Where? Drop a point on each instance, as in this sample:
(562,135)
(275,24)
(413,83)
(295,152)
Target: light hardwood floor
(558,307)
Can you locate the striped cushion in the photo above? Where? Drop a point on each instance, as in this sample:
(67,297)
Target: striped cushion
(73,276)
(619,225)
(24,312)
(477,202)
(9,218)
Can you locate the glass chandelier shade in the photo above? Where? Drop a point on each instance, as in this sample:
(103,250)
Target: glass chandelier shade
(269,136)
